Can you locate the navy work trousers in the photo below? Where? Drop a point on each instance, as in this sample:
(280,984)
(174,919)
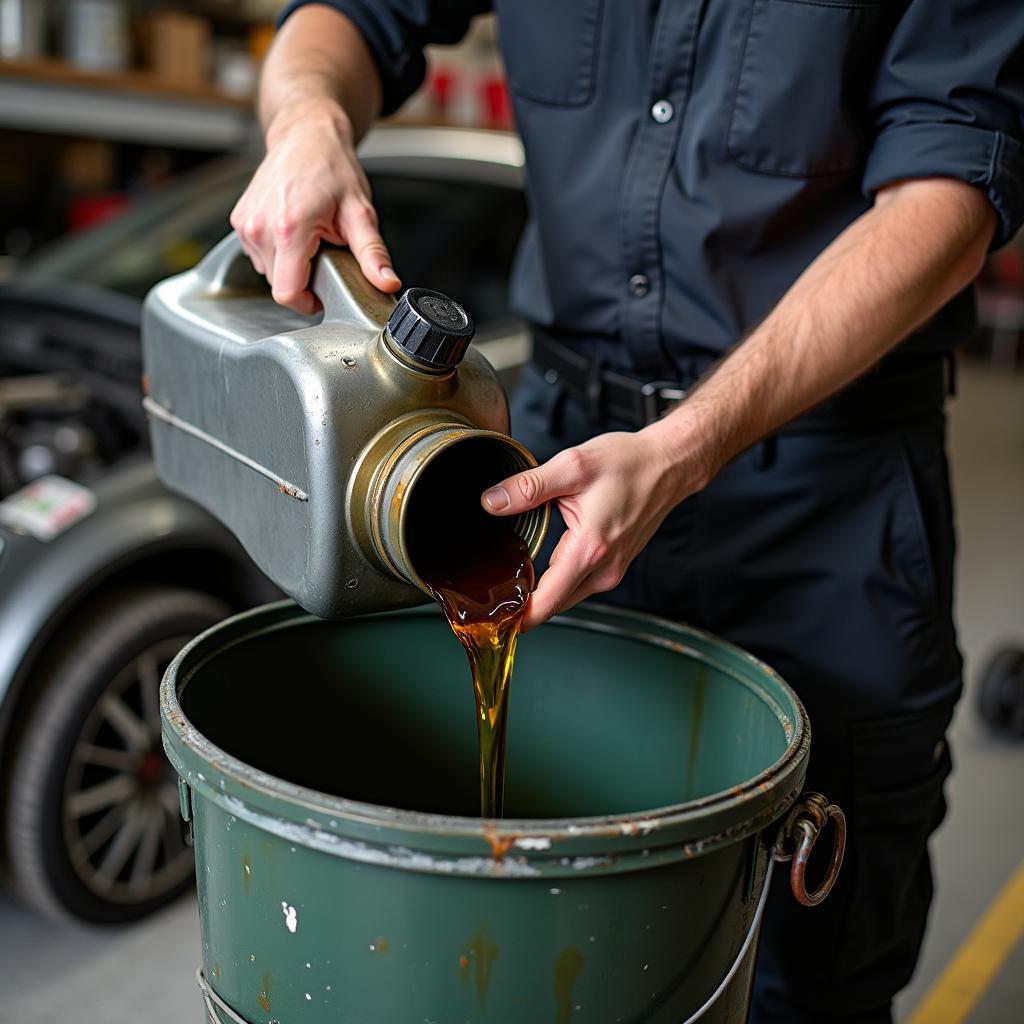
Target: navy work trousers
(828,554)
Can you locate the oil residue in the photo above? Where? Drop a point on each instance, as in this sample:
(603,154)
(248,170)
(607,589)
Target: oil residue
(696,714)
(500,845)
(480,953)
(264,997)
(568,965)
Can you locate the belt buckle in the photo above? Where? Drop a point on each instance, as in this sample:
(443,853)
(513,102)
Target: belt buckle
(660,397)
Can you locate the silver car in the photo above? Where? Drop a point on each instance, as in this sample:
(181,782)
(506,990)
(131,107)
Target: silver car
(103,573)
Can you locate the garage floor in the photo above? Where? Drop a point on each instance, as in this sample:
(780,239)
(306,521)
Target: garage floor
(52,974)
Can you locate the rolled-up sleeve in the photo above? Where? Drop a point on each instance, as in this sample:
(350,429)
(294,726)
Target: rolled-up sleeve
(396,32)
(948,101)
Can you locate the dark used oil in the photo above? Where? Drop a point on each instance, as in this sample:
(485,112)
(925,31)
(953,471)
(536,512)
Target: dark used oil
(483,591)
(478,569)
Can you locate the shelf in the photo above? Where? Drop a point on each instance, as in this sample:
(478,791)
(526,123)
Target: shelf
(53,97)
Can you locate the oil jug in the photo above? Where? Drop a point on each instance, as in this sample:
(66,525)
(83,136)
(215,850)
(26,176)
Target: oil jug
(309,438)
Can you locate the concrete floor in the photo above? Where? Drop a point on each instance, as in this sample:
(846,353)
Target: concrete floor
(51,974)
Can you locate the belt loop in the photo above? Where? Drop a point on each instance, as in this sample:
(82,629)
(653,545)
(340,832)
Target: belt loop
(594,391)
(556,414)
(951,374)
(764,453)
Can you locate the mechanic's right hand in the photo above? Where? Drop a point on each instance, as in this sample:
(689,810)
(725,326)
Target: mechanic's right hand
(309,187)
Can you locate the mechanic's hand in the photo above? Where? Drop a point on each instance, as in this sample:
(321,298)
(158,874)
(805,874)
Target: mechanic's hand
(309,187)
(613,492)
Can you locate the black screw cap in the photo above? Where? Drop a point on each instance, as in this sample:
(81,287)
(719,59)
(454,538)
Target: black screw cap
(433,329)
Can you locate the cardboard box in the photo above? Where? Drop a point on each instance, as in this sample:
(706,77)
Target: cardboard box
(177,47)
(88,165)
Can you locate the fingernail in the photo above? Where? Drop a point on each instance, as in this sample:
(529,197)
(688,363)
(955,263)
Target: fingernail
(496,499)
(388,274)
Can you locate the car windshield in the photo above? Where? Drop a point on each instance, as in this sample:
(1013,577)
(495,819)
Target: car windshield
(164,233)
(431,224)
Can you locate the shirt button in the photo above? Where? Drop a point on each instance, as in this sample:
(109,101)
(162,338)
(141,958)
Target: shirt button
(662,111)
(639,285)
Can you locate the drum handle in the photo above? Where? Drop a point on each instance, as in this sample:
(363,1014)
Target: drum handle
(808,817)
(796,840)
(744,949)
(216,1009)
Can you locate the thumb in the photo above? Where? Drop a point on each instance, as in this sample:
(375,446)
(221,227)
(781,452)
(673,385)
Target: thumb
(532,487)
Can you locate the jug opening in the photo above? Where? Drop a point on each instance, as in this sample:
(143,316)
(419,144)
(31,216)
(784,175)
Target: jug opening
(431,498)
(444,509)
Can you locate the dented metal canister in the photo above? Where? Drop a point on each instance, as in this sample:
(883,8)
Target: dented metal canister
(309,436)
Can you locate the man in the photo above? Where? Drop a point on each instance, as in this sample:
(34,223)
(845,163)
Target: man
(816,181)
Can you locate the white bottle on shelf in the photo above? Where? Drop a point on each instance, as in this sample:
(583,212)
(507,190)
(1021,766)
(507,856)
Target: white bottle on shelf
(96,36)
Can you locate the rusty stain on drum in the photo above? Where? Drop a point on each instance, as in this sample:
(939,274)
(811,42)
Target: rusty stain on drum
(696,713)
(264,997)
(568,965)
(482,950)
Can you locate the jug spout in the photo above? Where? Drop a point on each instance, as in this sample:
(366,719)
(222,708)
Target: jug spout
(431,481)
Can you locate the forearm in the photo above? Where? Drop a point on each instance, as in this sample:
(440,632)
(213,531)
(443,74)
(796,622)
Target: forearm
(918,246)
(319,93)
(319,65)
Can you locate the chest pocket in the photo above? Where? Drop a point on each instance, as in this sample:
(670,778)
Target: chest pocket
(550,49)
(800,107)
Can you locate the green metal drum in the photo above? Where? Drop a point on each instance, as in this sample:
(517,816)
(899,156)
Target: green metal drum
(329,772)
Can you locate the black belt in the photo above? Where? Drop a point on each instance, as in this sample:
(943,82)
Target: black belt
(898,388)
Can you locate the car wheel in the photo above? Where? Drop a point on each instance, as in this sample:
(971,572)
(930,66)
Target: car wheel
(94,829)
(1001,692)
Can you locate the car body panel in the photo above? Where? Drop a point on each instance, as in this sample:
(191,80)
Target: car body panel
(41,582)
(496,158)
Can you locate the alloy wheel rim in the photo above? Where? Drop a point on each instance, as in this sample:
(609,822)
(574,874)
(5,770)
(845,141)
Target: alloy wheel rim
(120,812)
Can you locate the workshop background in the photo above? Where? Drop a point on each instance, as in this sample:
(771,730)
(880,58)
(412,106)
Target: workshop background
(106,108)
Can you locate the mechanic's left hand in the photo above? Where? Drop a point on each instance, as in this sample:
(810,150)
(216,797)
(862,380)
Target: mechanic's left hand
(613,491)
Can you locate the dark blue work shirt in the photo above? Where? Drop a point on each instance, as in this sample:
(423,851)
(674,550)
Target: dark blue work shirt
(687,159)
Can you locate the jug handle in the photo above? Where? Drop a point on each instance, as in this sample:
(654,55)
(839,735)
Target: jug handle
(337,281)
(343,290)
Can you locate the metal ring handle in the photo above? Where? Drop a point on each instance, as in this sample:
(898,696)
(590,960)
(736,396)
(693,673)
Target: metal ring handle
(808,819)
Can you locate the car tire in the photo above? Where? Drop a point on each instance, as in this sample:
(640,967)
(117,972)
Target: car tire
(1001,692)
(92,822)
